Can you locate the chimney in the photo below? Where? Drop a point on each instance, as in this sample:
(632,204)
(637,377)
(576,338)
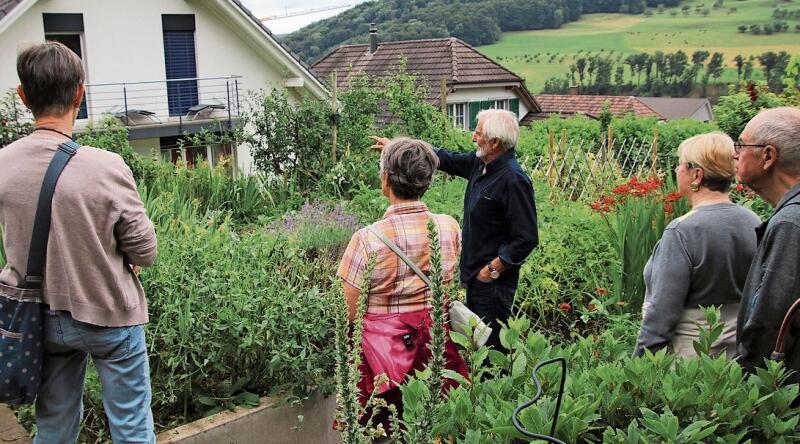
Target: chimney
(373,38)
(575,90)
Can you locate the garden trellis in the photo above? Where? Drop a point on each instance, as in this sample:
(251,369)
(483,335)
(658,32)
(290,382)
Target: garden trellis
(582,168)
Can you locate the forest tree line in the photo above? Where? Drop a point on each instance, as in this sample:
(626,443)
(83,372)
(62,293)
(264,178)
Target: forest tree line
(477,22)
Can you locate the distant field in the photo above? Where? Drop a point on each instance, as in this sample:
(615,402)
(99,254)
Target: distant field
(626,34)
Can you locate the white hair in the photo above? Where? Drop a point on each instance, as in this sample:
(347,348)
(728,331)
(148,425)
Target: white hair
(779,127)
(500,124)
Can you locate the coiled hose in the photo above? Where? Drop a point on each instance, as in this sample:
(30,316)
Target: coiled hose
(521,407)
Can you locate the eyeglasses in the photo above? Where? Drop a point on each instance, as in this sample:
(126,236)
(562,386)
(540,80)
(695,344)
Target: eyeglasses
(737,146)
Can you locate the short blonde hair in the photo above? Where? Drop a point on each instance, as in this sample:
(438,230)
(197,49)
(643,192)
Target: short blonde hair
(713,152)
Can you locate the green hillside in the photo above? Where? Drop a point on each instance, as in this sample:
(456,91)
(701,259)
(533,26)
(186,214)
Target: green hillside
(666,31)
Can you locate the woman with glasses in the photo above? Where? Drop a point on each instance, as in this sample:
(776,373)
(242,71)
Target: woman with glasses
(702,258)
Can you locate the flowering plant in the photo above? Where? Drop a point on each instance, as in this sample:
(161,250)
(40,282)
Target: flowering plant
(746,197)
(636,213)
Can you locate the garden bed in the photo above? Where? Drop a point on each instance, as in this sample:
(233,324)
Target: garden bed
(284,423)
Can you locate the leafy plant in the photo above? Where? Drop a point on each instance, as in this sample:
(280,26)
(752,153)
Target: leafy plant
(734,110)
(612,397)
(15,121)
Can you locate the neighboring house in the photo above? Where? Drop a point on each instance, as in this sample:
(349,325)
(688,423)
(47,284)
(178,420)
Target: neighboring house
(679,108)
(163,68)
(591,106)
(662,108)
(473,81)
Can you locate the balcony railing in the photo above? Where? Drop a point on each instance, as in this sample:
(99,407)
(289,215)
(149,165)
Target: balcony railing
(163,102)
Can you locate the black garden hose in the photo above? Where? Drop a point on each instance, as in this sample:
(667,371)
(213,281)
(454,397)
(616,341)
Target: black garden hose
(515,417)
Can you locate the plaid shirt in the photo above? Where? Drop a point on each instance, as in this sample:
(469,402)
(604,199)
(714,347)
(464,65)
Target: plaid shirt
(394,287)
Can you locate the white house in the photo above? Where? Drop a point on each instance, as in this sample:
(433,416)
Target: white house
(473,81)
(163,68)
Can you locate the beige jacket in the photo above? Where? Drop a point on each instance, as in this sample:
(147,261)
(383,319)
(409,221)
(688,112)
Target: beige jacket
(98,229)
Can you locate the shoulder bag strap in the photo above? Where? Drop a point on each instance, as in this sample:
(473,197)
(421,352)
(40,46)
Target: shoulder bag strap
(402,255)
(41,224)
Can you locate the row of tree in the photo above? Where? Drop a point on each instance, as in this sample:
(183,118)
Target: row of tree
(664,74)
(478,22)
(767,28)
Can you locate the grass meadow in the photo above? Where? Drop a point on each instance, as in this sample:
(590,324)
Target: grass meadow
(621,34)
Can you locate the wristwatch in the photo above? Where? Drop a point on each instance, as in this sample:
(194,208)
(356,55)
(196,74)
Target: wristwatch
(493,273)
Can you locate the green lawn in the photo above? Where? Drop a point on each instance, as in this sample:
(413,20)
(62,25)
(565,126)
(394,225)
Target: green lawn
(620,33)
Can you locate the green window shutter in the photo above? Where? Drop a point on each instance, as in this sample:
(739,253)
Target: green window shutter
(514,106)
(474,108)
(487,104)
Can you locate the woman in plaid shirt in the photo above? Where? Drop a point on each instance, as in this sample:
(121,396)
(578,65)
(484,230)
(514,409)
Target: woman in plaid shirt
(397,322)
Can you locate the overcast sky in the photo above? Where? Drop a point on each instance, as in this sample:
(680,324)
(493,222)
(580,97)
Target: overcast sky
(264,8)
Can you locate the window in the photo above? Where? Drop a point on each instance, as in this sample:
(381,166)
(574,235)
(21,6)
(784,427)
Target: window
(457,113)
(499,104)
(180,62)
(68,30)
(180,148)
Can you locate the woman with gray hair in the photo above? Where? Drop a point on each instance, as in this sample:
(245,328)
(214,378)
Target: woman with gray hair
(397,321)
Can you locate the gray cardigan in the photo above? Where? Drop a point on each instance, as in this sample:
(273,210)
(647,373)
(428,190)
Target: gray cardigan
(702,259)
(773,285)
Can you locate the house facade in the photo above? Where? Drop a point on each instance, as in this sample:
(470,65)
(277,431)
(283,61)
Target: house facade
(473,81)
(165,69)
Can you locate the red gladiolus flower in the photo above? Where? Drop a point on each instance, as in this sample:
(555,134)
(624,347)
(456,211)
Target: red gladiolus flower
(668,208)
(565,307)
(750,196)
(608,200)
(601,291)
(672,197)
(621,189)
(739,187)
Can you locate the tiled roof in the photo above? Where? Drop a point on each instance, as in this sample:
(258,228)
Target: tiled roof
(592,106)
(6,6)
(433,59)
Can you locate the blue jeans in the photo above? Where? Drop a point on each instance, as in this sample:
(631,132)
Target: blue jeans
(120,357)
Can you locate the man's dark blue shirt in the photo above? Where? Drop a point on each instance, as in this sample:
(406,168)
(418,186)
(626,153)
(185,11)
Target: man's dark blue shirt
(499,213)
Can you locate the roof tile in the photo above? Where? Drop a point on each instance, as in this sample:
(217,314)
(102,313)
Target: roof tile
(593,105)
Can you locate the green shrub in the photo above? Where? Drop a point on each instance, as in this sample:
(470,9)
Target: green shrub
(612,397)
(15,121)
(734,110)
(566,284)
(236,313)
(111,135)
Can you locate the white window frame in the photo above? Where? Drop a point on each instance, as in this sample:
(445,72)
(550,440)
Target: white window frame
(500,104)
(458,120)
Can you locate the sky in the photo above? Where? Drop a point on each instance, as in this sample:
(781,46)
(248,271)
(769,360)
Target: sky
(263,8)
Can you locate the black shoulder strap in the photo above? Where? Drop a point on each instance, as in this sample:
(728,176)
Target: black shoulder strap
(41,224)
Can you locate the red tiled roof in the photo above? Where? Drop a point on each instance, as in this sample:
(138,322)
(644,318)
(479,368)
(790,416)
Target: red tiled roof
(433,60)
(592,106)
